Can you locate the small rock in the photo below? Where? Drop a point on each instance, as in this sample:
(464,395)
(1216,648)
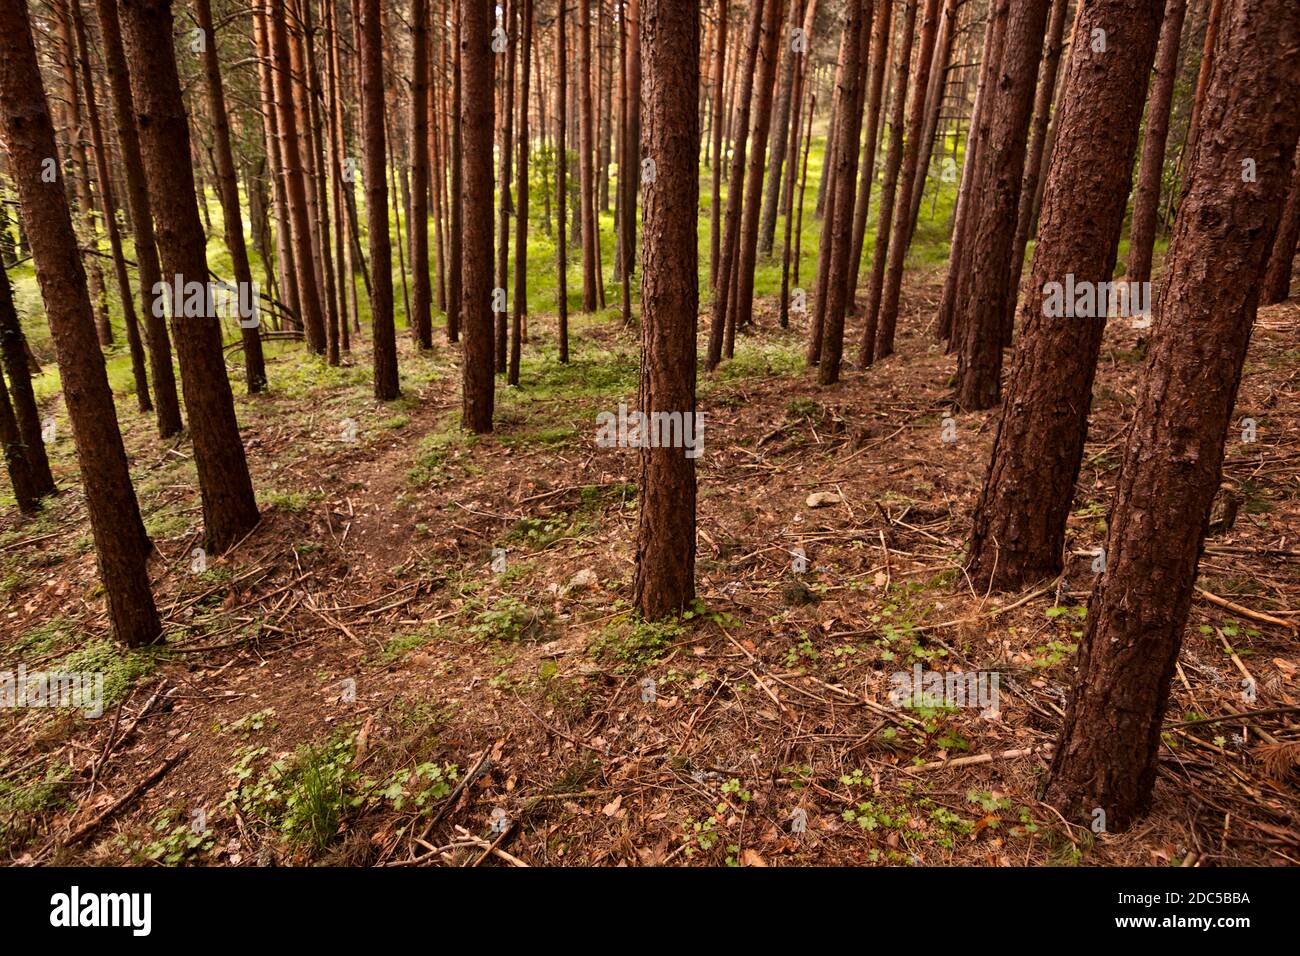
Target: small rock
(823,499)
(584,579)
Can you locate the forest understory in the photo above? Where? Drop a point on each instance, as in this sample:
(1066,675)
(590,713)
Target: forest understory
(363,680)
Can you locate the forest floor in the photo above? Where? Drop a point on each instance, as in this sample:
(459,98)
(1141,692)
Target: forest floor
(361,681)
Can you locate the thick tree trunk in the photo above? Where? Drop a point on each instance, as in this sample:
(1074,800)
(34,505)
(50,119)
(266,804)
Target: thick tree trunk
(232,220)
(1107,754)
(121,545)
(383,330)
(664,581)
(476,109)
(1146,198)
(984,293)
(229,508)
(1019,526)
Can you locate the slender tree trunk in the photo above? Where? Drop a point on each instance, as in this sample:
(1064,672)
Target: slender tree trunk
(987,285)
(630,179)
(856,47)
(476,136)
(1035,154)
(509,12)
(787,192)
(912,176)
(381,252)
(121,545)
(1019,526)
(1146,199)
(107,208)
(877,334)
(456,193)
(13,356)
(735,189)
(229,508)
(419,225)
(1107,754)
(228,186)
(867,165)
(779,127)
(664,580)
(1277,277)
(521,197)
(586,158)
(561,182)
(715,200)
(741,311)
(994,33)
(1203,78)
(295,180)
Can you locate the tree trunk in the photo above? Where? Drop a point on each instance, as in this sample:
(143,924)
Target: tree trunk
(232,220)
(107,208)
(715,200)
(419,226)
(1107,754)
(867,165)
(741,310)
(229,508)
(521,195)
(856,45)
(664,581)
(476,109)
(381,252)
(561,183)
(586,160)
(1277,277)
(777,144)
(121,545)
(987,285)
(312,317)
(873,328)
(456,193)
(735,189)
(1034,156)
(509,12)
(1019,526)
(1146,199)
(912,176)
(13,355)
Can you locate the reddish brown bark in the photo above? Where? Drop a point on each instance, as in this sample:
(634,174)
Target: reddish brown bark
(715,200)
(521,195)
(586,163)
(1277,277)
(14,357)
(561,183)
(229,508)
(987,286)
(476,109)
(1019,526)
(1109,746)
(664,581)
(121,545)
(1146,198)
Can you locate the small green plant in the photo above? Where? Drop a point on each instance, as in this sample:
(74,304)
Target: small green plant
(176,842)
(508,619)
